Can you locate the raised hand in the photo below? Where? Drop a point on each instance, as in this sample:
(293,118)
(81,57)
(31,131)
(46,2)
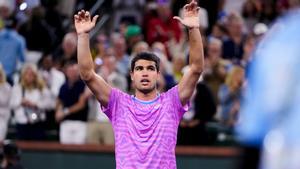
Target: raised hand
(83,22)
(190,15)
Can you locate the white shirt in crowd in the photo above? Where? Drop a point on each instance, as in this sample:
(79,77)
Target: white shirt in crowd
(5,92)
(42,98)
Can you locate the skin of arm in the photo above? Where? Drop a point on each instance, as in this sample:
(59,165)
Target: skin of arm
(189,80)
(83,25)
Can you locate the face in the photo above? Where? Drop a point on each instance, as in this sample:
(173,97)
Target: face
(29,76)
(145,76)
(239,77)
(72,72)
(214,51)
(47,63)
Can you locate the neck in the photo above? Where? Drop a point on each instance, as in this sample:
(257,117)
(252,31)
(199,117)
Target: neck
(146,96)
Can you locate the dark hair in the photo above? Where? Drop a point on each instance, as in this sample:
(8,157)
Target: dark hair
(11,150)
(145,56)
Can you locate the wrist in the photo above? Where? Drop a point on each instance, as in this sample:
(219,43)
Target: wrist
(83,34)
(193,28)
(66,111)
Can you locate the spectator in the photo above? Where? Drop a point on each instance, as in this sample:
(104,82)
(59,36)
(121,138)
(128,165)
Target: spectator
(129,11)
(269,12)
(67,50)
(122,59)
(11,156)
(233,45)
(5,92)
(54,79)
(12,49)
(99,129)
(133,35)
(111,74)
(30,100)
(230,95)
(251,14)
(163,27)
(71,107)
(215,67)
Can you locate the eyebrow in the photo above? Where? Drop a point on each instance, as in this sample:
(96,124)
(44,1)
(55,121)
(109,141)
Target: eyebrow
(149,66)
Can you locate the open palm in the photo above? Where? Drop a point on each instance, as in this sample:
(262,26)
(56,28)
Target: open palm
(83,22)
(190,15)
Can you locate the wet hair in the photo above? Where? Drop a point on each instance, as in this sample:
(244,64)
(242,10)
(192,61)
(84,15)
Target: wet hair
(145,56)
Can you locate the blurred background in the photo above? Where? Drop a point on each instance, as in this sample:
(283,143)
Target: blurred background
(39,78)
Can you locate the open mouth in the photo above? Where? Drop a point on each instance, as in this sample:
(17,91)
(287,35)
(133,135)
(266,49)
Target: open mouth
(145,81)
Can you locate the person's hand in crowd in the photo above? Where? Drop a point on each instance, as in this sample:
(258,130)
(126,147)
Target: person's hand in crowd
(83,22)
(190,15)
(59,115)
(27,103)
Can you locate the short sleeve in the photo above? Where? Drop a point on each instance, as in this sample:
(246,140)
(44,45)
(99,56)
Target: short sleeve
(110,109)
(180,109)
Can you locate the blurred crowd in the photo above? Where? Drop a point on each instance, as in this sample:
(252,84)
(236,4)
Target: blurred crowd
(41,91)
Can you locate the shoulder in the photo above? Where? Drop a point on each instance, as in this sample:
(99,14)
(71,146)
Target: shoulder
(16,87)
(7,86)
(57,73)
(171,92)
(117,93)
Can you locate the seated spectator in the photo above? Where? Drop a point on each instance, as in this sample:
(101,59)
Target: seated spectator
(250,13)
(54,80)
(233,45)
(71,107)
(30,100)
(67,51)
(5,92)
(163,27)
(230,95)
(215,67)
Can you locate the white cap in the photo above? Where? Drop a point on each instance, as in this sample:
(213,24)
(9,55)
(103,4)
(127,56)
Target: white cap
(260,28)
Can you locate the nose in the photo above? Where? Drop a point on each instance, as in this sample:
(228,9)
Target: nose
(145,74)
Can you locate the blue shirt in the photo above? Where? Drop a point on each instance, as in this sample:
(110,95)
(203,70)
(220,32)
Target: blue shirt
(12,49)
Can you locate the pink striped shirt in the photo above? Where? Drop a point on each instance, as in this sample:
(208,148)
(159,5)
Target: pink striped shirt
(145,131)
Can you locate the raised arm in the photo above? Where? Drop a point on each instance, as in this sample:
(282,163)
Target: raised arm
(189,80)
(96,83)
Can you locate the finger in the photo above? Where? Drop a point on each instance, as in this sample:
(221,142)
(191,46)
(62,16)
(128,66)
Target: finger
(95,19)
(185,7)
(76,18)
(194,2)
(81,13)
(193,5)
(177,18)
(87,15)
